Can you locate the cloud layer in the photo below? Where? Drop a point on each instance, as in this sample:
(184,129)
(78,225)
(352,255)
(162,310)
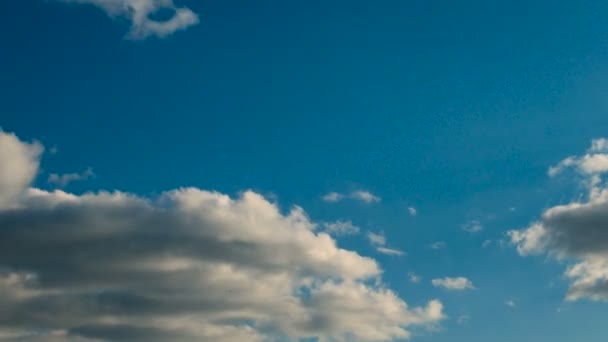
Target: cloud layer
(577,231)
(189,265)
(140,14)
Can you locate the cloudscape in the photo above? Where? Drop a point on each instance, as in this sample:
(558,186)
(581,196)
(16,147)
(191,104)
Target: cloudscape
(278,171)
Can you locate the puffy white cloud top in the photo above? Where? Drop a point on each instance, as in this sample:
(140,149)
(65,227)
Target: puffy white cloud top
(189,265)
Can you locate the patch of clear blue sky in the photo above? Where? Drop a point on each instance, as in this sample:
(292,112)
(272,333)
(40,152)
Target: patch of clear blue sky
(454,107)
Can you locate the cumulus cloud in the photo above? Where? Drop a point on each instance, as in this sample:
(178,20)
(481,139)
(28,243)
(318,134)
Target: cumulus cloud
(378,241)
(340,228)
(188,265)
(19,162)
(140,14)
(365,196)
(412,211)
(67,178)
(453,284)
(332,197)
(577,231)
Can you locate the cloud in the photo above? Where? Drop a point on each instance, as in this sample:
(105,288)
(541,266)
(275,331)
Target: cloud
(65,179)
(390,251)
(332,197)
(365,196)
(412,211)
(510,303)
(19,162)
(139,13)
(486,243)
(453,284)
(438,245)
(340,228)
(378,240)
(359,195)
(414,278)
(577,231)
(473,226)
(463,319)
(187,265)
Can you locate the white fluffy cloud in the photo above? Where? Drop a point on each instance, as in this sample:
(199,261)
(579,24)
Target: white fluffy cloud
(577,231)
(365,196)
(139,13)
(19,163)
(189,265)
(453,284)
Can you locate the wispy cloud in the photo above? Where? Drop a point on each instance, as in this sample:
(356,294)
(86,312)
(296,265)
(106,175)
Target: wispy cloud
(140,15)
(340,228)
(453,284)
(414,278)
(332,197)
(473,226)
(412,211)
(65,179)
(359,195)
(438,245)
(378,240)
(463,319)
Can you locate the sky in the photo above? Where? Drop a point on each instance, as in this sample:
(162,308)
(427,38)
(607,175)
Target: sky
(192,170)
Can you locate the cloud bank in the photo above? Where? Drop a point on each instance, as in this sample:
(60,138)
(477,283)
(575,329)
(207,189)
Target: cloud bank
(577,231)
(140,15)
(188,265)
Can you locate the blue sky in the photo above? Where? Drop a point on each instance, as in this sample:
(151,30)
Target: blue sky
(456,109)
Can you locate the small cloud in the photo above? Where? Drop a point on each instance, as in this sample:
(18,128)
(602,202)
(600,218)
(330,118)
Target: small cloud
(473,226)
(438,245)
(379,242)
(510,303)
(414,278)
(453,284)
(412,211)
(463,319)
(512,209)
(365,196)
(486,244)
(390,251)
(65,179)
(53,150)
(140,14)
(341,228)
(376,239)
(332,197)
